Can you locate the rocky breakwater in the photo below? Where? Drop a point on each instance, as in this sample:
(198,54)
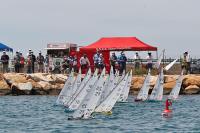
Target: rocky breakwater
(31,84)
(190,85)
(51,84)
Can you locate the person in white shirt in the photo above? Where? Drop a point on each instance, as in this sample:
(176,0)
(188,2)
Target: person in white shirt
(137,60)
(149,61)
(84,62)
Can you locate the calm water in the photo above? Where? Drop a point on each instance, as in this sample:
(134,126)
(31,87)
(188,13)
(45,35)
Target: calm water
(38,114)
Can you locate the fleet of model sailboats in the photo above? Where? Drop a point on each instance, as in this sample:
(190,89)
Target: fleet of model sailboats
(100,92)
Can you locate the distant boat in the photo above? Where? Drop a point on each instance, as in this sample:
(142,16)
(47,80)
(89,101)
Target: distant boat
(66,92)
(110,100)
(144,91)
(125,92)
(89,103)
(157,93)
(175,91)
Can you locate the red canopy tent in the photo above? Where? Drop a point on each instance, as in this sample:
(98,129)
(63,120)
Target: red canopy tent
(107,44)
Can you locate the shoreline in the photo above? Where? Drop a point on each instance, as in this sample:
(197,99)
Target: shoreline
(51,84)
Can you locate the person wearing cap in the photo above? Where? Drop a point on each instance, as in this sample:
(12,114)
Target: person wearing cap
(101,64)
(185,62)
(95,59)
(29,63)
(17,62)
(5,61)
(137,61)
(113,60)
(33,59)
(40,62)
(85,63)
(122,63)
(149,59)
(22,61)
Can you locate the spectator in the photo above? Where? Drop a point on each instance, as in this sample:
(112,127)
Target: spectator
(122,63)
(95,58)
(71,62)
(185,63)
(40,61)
(137,60)
(65,64)
(46,61)
(101,64)
(113,60)
(33,59)
(29,63)
(17,62)
(75,67)
(85,63)
(5,61)
(22,60)
(149,61)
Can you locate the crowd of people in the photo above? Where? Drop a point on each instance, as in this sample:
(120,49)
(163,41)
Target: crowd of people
(71,62)
(20,61)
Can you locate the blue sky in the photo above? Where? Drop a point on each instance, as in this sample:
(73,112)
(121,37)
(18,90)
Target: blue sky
(173,25)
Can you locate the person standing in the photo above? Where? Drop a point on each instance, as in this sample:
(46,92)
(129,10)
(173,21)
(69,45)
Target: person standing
(122,63)
(33,59)
(113,60)
(149,62)
(185,62)
(40,62)
(22,60)
(75,67)
(95,59)
(46,62)
(101,63)
(85,63)
(137,61)
(29,63)
(5,61)
(17,62)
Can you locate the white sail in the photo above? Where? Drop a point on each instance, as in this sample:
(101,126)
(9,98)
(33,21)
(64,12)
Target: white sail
(75,86)
(175,91)
(170,65)
(89,103)
(159,59)
(66,92)
(108,87)
(157,93)
(81,86)
(110,101)
(124,95)
(144,91)
(80,97)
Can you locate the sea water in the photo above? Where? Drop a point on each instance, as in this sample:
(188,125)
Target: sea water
(27,114)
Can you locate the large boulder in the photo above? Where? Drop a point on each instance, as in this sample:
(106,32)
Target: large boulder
(15,78)
(37,77)
(168,87)
(55,90)
(191,80)
(59,78)
(170,78)
(21,88)
(4,87)
(192,89)
(45,85)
